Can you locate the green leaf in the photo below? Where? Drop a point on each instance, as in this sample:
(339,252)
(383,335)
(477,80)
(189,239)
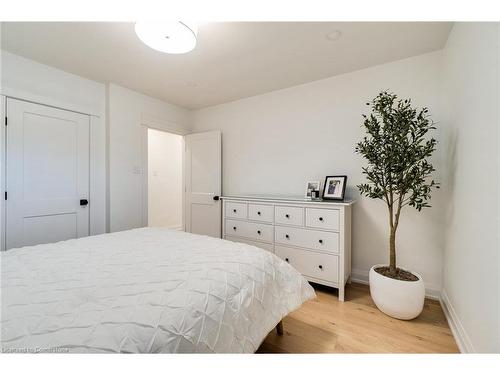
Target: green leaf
(397,149)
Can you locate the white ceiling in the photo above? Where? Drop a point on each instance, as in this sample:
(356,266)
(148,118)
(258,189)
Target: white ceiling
(231,60)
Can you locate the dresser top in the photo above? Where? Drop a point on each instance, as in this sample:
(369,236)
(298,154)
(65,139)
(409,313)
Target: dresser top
(290,199)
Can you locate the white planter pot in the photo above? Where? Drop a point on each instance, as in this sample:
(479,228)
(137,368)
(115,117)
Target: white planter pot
(397,298)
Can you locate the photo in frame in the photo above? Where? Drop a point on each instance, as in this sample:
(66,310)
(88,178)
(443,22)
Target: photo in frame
(334,188)
(310,187)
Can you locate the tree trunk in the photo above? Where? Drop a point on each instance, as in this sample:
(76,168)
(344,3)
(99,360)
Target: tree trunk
(392,250)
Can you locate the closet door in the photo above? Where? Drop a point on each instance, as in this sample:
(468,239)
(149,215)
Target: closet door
(47,174)
(203,173)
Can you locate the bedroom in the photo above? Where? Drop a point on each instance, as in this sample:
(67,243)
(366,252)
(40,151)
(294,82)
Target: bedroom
(265,228)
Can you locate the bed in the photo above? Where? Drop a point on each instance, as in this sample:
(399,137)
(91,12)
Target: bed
(147,290)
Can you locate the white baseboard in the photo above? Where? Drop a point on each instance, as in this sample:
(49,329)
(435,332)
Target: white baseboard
(176,227)
(361,276)
(461,337)
(173,227)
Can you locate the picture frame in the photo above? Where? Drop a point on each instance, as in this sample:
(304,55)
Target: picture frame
(311,185)
(334,188)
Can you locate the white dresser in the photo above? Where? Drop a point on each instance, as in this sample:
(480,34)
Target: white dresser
(313,236)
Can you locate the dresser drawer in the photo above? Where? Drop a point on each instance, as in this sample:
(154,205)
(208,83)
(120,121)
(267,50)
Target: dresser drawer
(312,239)
(288,215)
(312,264)
(256,231)
(260,212)
(266,246)
(322,218)
(236,210)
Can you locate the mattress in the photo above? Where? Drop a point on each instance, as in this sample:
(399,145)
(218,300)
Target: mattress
(148,290)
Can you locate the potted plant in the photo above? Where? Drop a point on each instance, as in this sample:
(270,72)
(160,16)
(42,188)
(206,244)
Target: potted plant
(398,172)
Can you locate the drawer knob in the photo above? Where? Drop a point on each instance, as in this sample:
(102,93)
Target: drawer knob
(258,232)
(320,267)
(320,219)
(287,236)
(286,259)
(258,213)
(320,241)
(287,216)
(234,228)
(234,210)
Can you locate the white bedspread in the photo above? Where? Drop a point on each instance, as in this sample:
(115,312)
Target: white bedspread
(144,290)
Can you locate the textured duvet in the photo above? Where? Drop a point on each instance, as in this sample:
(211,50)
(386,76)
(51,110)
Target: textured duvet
(147,290)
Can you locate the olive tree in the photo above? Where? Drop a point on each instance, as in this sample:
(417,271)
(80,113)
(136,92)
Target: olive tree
(397,152)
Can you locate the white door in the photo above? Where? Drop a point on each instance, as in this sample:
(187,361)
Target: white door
(203,171)
(47,174)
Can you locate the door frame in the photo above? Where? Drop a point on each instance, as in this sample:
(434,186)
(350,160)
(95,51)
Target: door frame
(97,193)
(3,187)
(166,127)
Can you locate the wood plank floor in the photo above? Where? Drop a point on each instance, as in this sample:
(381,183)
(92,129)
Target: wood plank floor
(326,325)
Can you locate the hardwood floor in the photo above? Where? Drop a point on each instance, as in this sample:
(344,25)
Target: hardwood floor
(326,325)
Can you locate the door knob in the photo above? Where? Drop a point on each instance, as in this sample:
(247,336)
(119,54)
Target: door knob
(216,198)
(84,202)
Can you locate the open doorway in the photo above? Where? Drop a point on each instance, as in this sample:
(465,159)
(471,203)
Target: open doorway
(165,196)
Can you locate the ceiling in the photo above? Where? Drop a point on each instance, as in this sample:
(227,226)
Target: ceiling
(231,60)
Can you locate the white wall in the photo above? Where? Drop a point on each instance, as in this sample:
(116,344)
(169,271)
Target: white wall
(28,80)
(129,114)
(165,199)
(274,143)
(471,283)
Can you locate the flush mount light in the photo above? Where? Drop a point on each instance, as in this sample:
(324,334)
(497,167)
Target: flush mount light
(334,35)
(169,37)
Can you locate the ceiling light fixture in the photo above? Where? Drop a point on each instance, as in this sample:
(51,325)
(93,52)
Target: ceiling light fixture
(169,37)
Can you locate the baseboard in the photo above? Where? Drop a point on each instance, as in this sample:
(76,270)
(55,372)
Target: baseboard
(461,337)
(174,227)
(361,276)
